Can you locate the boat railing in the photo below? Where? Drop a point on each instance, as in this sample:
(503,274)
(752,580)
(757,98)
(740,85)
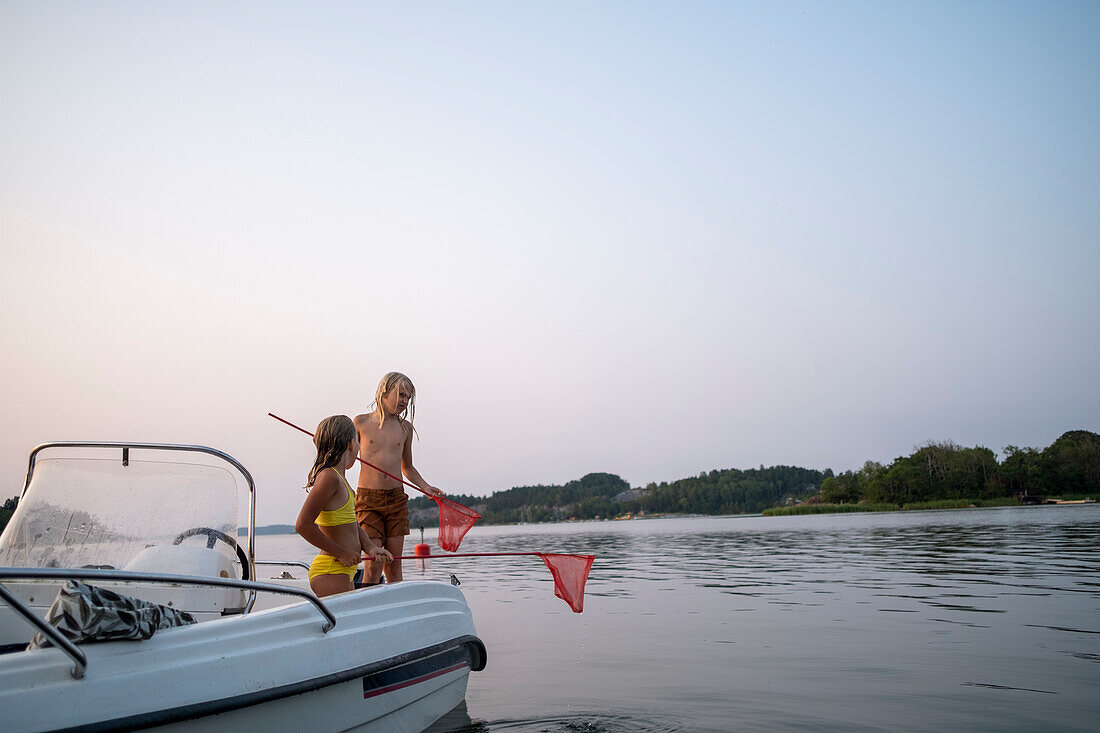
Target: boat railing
(79,659)
(285,563)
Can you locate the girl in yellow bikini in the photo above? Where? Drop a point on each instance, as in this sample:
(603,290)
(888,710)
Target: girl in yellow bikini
(327,519)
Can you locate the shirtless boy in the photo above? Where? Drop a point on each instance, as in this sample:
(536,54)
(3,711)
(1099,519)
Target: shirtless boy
(385,440)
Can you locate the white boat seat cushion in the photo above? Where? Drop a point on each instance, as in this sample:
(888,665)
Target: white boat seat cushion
(183,560)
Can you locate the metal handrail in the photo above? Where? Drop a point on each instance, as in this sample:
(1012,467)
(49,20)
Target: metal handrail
(8,573)
(168,447)
(79,658)
(291,563)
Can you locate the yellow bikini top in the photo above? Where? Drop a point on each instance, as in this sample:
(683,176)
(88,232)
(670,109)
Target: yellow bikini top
(343,515)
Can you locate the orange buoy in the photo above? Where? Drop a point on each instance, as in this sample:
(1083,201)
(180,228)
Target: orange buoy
(422,549)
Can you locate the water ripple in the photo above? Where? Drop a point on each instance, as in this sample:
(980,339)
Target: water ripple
(572,723)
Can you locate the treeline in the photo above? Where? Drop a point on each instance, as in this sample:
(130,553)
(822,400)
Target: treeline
(1068,467)
(605,495)
(6,510)
(731,491)
(936,472)
(585,498)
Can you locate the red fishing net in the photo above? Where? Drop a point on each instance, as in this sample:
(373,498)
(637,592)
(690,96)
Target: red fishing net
(570,574)
(455,521)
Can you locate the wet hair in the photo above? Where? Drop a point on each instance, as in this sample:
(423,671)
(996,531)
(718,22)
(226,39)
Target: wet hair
(332,438)
(388,382)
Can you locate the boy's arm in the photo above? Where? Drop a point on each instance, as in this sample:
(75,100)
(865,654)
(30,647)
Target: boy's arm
(372,549)
(410,471)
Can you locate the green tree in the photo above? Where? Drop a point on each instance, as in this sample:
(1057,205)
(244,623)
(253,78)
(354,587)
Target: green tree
(938,471)
(841,489)
(905,480)
(850,487)
(1071,464)
(1022,471)
(730,491)
(6,510)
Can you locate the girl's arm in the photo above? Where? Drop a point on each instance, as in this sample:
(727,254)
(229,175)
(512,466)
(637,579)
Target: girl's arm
(319,496)
(410,471)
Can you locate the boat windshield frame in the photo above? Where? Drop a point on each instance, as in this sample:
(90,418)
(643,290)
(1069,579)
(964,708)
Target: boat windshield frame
(126,447)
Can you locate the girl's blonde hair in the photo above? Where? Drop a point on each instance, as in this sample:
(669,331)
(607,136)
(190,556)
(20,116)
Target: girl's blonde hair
(332,438)
(388,382)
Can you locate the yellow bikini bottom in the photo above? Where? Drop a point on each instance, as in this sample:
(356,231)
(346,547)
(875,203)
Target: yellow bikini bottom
(329,565)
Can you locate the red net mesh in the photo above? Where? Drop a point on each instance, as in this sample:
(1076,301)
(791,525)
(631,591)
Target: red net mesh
(455,521)
(570,574)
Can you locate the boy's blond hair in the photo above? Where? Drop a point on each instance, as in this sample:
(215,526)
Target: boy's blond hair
(388,382)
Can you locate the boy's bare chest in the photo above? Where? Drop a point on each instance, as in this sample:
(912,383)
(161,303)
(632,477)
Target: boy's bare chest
(387,440)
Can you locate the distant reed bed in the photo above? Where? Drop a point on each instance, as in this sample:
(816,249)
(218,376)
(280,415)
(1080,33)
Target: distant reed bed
(912,506)
(827,509)
(962,503)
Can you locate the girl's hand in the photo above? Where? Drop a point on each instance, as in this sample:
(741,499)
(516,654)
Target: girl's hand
(380,553)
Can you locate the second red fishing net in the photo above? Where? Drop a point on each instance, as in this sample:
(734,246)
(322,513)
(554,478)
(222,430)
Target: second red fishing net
(570,574)
(455,521)
(570,571)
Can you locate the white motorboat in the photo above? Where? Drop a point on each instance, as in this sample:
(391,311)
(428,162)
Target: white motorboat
(159,523)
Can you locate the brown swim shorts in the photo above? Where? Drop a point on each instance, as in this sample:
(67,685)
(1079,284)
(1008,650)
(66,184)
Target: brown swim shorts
(382,512)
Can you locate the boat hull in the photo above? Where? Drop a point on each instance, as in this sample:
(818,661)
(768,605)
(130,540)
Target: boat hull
(398,658)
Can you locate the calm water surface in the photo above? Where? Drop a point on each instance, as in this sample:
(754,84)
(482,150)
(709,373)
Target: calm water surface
(983,619)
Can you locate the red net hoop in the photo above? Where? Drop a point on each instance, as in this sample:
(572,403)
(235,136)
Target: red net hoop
(570,574)
(455,521)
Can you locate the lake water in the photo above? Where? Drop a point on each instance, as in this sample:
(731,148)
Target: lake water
(981,619)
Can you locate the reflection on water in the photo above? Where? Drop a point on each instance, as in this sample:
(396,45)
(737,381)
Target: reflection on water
(459,721)
(982,618)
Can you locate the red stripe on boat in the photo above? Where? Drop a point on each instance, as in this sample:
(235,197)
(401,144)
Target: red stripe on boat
(414,681)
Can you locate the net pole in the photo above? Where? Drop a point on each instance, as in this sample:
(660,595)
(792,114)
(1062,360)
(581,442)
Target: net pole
(470,554)
(365,463)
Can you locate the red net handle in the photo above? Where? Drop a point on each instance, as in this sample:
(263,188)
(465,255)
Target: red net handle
(467,554)
(365,463)
(455,520)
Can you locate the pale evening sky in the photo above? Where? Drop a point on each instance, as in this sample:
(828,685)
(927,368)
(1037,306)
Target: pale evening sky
(645,238)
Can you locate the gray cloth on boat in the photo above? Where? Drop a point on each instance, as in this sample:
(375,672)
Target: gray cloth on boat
(84,613)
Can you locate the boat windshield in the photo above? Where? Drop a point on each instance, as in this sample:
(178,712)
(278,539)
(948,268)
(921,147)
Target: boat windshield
(100,507)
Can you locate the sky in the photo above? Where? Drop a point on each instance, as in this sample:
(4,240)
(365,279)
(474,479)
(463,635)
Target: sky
(646,238)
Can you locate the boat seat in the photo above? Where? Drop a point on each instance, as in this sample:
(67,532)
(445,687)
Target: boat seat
(185,560)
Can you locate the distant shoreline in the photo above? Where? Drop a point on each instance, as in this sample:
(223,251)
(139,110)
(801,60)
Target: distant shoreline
(269,529)
(282,529)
